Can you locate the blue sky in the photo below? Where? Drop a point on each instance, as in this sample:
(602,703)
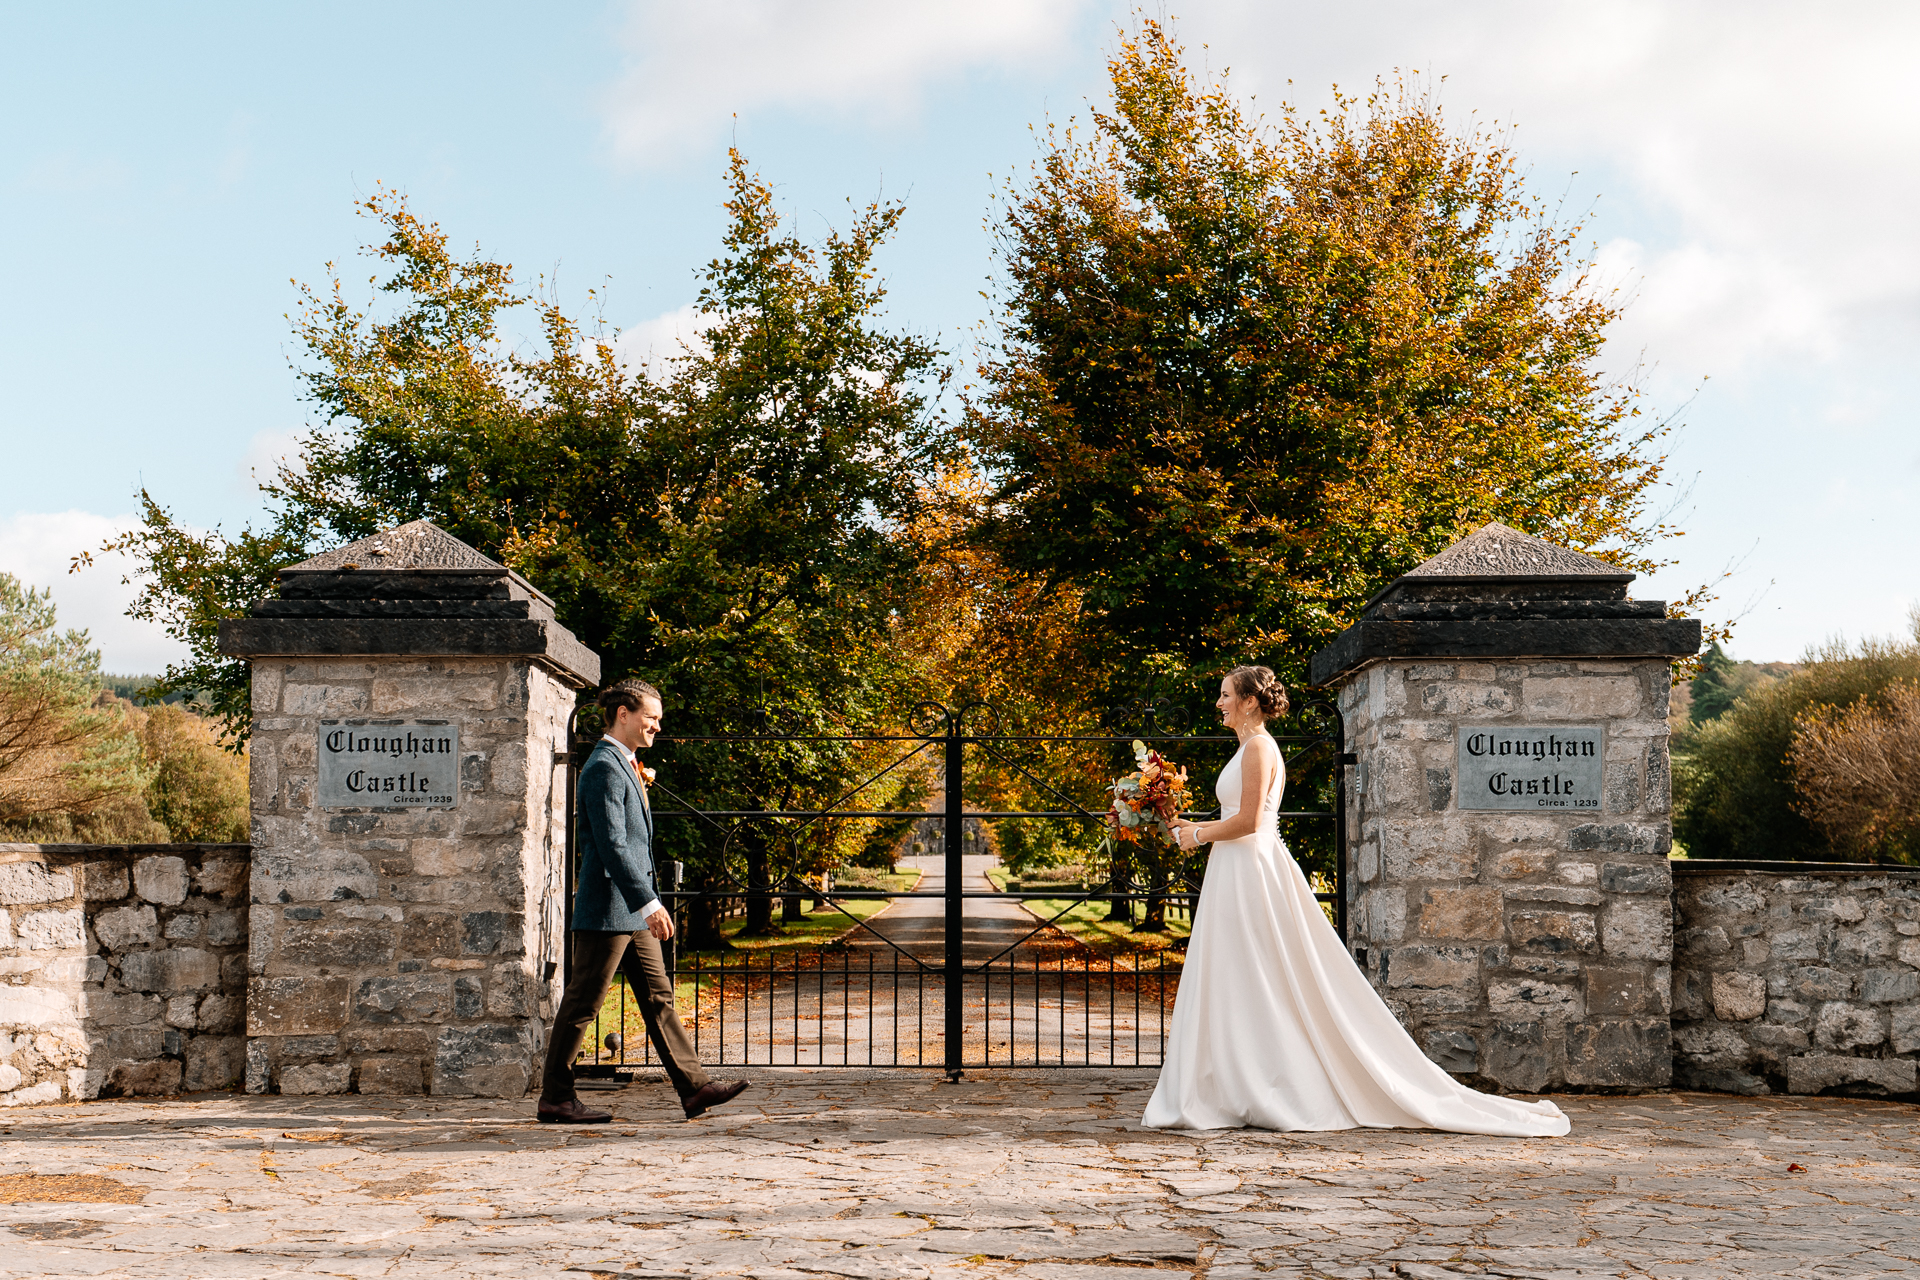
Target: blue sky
(1752,170)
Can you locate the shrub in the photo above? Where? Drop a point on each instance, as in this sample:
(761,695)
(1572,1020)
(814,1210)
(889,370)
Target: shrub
(195,790)
(198,789)
(1735,793)
(1858,773)
(61,752)
(1066,873)
(121,820)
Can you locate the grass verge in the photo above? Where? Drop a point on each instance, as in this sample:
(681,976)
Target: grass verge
(1087,923)
(816,931)
(817,928)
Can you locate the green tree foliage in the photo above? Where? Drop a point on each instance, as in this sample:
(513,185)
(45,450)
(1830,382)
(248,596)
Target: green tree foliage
(1721,682)
(1251,374)
(1035,843)
(188,582)
(721,525)
(60,754)
(763,574)
(1714,689)
(1735,794)
(132,688)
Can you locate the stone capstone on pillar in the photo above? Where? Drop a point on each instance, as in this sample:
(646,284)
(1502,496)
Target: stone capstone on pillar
(405,926)
(1514,915)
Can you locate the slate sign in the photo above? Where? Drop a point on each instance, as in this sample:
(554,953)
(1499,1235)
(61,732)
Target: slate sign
(1517,767)
(389,764)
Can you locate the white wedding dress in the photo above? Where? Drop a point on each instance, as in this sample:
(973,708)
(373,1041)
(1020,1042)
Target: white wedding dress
(1275,1027)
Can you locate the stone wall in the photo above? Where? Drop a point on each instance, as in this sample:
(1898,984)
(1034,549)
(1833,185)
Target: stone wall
(1796,979)
(406,950)
(122,970)
(1525,950)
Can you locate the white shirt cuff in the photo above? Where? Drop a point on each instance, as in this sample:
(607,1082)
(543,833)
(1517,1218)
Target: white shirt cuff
(647,912)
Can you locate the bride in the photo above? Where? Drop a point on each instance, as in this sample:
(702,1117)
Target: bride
(1274,1026)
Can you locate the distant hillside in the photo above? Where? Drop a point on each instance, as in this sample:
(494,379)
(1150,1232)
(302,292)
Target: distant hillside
(129,687)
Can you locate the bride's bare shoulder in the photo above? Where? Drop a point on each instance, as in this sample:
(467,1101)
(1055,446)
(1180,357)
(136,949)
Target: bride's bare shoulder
(1262,748)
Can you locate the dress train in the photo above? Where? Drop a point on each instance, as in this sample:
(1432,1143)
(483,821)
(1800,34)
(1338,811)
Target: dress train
(1275,1027)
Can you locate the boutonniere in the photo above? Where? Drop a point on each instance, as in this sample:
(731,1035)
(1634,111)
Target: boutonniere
(646,775)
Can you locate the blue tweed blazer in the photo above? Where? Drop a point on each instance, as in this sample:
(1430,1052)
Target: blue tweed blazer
(616,880)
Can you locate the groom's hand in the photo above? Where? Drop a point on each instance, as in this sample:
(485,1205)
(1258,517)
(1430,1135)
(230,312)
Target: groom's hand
(660,925)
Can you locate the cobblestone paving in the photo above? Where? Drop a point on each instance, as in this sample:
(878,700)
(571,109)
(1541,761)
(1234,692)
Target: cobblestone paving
(1017,1175)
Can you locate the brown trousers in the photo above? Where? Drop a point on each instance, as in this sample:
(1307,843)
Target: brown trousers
(596,958)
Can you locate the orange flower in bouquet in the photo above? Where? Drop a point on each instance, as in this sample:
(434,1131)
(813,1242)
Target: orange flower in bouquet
(1149,799)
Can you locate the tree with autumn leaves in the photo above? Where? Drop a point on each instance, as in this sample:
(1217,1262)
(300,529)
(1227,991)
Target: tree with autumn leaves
(1250,373)
(1246,375)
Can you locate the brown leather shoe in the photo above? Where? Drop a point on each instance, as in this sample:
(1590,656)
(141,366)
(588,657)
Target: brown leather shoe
(571,1112)
(699,1102)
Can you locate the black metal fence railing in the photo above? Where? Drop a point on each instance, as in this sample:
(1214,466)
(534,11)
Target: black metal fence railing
(847,1009)
(882,1004)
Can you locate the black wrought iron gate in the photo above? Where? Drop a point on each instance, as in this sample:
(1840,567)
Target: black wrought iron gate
(1071,1004)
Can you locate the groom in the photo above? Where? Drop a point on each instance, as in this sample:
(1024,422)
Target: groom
(619,921)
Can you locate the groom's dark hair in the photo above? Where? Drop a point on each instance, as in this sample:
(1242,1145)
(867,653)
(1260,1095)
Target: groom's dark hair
(627,693)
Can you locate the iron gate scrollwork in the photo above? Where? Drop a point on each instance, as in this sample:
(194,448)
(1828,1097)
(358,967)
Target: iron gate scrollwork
(745,1010)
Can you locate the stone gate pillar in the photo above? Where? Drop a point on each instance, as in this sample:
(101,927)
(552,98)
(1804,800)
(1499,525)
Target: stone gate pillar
(1508,821)
(409,699)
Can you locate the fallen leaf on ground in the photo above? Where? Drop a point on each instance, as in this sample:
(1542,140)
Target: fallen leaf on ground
(83,1188)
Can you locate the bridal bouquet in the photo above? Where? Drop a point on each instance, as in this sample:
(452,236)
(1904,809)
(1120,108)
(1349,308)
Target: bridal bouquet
(1150,798)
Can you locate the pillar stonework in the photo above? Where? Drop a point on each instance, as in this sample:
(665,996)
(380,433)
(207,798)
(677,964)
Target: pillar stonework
(1508,824)
(409,699)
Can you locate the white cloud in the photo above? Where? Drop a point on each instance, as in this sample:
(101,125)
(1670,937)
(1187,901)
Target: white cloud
(663,337)
(691,67)
(38,547)
(1696,309)
(1770,152)
(265,452)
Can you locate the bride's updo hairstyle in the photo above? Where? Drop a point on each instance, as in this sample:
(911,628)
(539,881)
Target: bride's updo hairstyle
(1261,683)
